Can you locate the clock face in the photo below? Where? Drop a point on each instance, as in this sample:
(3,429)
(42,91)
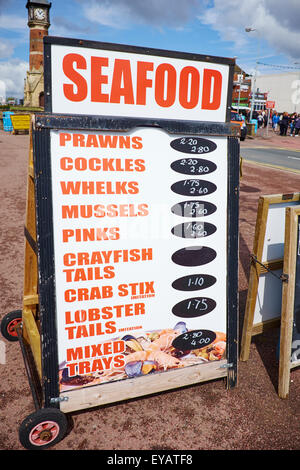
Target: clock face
(39,14)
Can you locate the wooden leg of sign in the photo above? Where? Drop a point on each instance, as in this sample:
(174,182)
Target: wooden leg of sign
(260,228)
(287,309)
(30,290)
(249,313)
(32,337)
(285,357)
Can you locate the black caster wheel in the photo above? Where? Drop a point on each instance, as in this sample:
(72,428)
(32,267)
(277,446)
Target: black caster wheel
(43,428)
(8,324)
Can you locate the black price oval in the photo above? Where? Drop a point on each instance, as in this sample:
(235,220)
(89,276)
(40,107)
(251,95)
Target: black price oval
(194,282)
(193,187)
(195,339)
(193,229)
(193,208)
(193,145)
(194,256)
(194,307)
(193,166)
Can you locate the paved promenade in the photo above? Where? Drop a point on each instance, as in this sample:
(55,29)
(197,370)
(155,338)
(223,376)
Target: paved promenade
(200,417)
(272,139)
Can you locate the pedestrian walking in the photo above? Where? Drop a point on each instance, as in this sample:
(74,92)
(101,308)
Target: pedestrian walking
(297,125)
(284,123)
(275,120)
(292,123)
(260,120)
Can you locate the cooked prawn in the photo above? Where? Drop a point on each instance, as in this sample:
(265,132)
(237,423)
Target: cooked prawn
(136,356)
(164,342)
(110,373)
(163,359)
(219,348)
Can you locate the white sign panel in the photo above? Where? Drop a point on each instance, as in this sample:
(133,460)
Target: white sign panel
(269,294)
(118,83)
(140,246)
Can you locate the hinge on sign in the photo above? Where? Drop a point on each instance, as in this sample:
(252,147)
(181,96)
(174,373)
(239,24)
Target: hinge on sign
(227,365)
(58,399)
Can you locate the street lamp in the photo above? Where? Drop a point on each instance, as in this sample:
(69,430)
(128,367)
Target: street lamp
(249,30)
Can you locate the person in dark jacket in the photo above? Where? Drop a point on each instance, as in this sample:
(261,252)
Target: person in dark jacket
(297,125)
(292,123)
(284,123)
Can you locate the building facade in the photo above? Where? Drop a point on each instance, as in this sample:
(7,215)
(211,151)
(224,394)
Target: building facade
(283,88)
(241,90)
(38,22)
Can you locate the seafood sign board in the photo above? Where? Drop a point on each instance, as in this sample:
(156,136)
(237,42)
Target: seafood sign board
(140,239)
(83,77)
(137,176)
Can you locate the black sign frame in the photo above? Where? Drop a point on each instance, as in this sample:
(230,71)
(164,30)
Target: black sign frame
(44,123)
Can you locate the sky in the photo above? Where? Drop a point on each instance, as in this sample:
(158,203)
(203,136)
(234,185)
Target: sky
(209,27)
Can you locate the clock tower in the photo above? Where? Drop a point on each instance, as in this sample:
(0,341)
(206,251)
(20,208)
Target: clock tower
(38,22)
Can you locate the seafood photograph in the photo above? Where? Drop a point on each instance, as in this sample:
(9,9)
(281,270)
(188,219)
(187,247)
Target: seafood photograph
(151,352)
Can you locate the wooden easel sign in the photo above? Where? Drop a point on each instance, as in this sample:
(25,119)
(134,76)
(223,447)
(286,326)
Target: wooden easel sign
(131,259)
(137,221)
(290,314)
(263,305)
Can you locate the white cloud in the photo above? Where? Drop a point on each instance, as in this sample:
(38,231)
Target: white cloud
(108,15)
(13,73)
(275,22)
(63,26)
(6,48)
(122,14)
(13,22)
